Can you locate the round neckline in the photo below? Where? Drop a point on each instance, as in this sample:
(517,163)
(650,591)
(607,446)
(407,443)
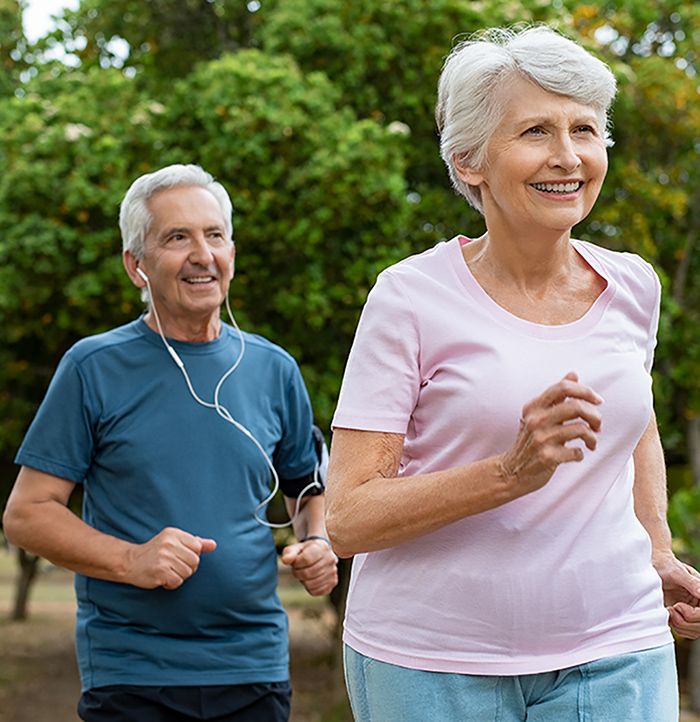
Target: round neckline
(187,347)
(574,329)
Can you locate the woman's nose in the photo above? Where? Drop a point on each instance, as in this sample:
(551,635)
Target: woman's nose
(563,153)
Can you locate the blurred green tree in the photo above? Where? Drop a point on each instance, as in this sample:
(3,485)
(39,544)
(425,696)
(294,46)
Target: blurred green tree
(651,199)
(162,39)
(67,147)
(313,189)
(13,46)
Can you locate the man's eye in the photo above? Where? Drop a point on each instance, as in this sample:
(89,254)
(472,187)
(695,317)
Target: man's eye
(177,239)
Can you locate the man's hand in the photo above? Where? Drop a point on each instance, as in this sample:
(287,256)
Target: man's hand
(681,585)
(167,560)
(314,564)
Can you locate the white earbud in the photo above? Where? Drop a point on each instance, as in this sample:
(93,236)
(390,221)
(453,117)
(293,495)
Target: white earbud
(142,274)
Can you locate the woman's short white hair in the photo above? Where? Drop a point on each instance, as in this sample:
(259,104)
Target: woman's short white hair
(469,106)
(134,217)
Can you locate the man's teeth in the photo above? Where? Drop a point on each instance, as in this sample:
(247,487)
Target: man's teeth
(557,187)
(199,279)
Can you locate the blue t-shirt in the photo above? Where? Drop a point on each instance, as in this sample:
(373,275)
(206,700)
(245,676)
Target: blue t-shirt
(118,418)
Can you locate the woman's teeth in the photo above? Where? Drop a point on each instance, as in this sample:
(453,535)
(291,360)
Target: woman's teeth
(557,187)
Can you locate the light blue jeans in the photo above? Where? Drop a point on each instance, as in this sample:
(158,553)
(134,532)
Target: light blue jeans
(639,687)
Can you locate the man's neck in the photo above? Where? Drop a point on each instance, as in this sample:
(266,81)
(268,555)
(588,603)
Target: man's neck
(191,330)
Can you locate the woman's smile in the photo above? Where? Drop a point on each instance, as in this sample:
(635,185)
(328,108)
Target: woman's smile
(545,164)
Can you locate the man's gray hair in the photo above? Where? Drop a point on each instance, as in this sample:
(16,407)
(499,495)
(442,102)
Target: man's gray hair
(134,217)
(469,106)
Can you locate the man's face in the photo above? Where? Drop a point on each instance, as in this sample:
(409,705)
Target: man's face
(188,259)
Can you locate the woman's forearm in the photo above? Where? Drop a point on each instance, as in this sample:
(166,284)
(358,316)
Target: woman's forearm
(383,510)
(650,493)
(370,508)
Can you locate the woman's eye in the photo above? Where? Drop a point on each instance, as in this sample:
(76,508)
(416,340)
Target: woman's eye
(536,130)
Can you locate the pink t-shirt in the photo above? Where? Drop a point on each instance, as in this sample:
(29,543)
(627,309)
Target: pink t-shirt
(557,578)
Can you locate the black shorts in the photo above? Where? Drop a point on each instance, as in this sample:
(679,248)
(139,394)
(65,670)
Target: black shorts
(264,702)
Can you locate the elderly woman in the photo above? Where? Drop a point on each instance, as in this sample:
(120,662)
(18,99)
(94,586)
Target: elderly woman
(496,467)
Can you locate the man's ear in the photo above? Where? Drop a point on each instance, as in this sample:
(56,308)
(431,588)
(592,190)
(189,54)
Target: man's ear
(466,173)
(131,264)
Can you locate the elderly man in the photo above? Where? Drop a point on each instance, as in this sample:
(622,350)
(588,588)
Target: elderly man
(175,424)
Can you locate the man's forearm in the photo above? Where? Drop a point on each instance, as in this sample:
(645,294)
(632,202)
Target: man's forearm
(311,519)
(46,527)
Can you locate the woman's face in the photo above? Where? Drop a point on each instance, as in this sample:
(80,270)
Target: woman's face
(545,163)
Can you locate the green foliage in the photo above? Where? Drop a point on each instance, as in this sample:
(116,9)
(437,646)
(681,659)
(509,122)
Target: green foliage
(319,200)
(12,46)
(68,148)
(385,58)
(317,116)
(684,519)
(651,200)
(165,38)
(313,188)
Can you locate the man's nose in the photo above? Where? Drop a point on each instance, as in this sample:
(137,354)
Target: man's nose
(200,251)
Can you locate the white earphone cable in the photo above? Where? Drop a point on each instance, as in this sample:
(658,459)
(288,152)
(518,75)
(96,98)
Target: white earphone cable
(226,415)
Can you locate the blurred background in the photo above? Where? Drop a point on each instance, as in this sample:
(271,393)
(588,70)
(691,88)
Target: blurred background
(317,116)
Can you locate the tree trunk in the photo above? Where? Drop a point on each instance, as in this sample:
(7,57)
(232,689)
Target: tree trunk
(29,565)
(681,277)
(338,597)
(693,679)
(694,448)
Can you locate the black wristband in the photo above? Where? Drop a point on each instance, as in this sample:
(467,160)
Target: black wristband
(320,538)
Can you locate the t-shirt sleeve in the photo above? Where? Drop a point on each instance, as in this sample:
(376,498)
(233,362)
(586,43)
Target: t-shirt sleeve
(382,376)
(60,439)
(295,456)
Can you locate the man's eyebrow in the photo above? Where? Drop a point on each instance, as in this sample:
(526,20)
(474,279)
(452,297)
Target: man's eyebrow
(168,231)
(184,230)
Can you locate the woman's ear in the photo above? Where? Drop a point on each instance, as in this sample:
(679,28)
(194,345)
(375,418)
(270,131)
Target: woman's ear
(466,173)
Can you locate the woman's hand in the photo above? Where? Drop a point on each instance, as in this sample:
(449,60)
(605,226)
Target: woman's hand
(565,412)
(371,508)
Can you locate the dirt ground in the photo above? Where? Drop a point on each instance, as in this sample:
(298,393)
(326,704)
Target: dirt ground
(38,670)
(39,676)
